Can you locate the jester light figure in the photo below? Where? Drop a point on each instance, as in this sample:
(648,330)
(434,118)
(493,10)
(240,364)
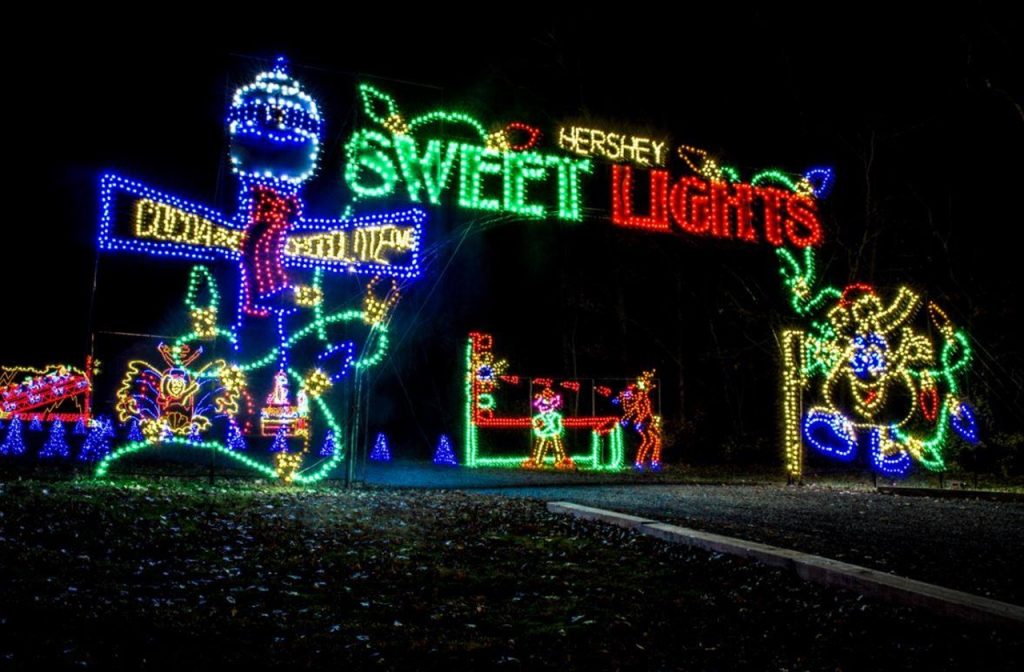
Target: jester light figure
(179,398)
(547,431)
(636,408)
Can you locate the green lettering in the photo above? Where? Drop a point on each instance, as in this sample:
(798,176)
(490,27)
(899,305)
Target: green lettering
(364,151)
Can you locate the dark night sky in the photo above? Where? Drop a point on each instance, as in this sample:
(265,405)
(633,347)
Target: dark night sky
(921,119)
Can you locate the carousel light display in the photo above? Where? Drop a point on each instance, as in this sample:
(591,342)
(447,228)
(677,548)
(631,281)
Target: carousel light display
(44,394)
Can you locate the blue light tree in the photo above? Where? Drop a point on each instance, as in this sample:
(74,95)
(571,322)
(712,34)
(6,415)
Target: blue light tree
(14,443)
(280,444)
(444,455)
(96,445)
(56,445)
(380,452)
(328,447)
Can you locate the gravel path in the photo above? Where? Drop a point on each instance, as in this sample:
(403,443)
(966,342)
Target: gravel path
(970,545)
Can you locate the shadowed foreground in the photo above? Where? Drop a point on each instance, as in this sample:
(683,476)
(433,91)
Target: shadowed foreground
(162,575)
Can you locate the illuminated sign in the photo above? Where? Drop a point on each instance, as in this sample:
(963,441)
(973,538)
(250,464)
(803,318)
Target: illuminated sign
(488,179)
(141,219)
(501,171)
(493,171)
(715,208)
(282,256)
(613,146)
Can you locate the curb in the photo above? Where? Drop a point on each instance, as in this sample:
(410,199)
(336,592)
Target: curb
(818,569)
(601,515)
(988,495)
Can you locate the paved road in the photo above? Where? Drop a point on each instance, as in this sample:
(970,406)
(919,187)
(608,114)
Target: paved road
(969,545)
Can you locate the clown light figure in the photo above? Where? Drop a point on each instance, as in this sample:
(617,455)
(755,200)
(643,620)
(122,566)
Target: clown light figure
(636,408)
(547,431)
(881,380)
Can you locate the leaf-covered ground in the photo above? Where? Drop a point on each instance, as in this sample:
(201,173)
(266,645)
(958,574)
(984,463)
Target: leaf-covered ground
(169,575)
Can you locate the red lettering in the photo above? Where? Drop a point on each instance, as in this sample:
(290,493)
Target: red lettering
(731,203)
(773,200)
(718,208)
(743,197)
(803,212)
(690,211)
(622,200)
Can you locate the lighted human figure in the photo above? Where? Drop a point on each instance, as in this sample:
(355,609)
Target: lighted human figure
(274,128)
(279,395)
(275,134)
(637,409)
(548,430)
(281,327)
